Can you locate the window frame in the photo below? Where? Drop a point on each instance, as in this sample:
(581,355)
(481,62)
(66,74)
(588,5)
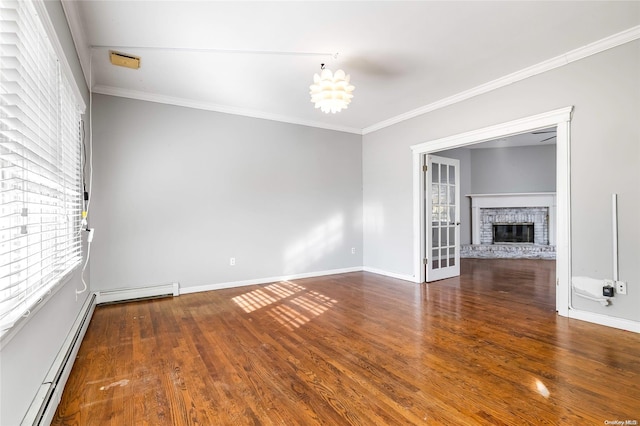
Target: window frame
(67,87)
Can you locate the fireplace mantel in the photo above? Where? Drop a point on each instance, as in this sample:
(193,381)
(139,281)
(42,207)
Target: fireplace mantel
(512,200)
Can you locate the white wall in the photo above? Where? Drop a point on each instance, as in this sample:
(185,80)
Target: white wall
(179,191)
(605,157)
(27,357)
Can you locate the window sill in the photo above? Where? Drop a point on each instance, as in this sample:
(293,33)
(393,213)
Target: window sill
(7,334)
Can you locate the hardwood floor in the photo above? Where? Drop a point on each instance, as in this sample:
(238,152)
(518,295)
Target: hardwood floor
(358,348)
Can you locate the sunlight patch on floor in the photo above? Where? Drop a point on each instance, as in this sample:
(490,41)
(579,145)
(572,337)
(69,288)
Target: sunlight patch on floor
(288,317)
(315,302)
(295,306)
(285,289)
(254,300)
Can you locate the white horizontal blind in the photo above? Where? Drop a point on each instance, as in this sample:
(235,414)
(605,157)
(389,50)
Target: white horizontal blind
(40,165)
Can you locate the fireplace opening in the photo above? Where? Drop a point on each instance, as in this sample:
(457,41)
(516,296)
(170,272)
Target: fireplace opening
(505,233)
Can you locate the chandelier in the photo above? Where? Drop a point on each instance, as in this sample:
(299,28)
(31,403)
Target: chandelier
(331,92)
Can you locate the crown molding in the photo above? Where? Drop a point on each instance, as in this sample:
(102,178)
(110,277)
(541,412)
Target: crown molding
(190,103)
(84,50)
(540,121)
(606,43)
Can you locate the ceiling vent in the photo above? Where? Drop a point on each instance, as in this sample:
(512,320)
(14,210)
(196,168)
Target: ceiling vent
(124,60)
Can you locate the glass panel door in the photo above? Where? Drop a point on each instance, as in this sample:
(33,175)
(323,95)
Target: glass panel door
(442,220)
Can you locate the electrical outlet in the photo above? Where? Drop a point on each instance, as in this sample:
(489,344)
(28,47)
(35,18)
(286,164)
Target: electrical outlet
(232,261)
(353,250)
(621,287)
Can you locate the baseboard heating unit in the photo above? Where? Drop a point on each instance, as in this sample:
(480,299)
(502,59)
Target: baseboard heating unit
(128,294)
(46,401)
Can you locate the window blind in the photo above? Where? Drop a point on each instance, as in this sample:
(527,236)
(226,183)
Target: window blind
(40,165)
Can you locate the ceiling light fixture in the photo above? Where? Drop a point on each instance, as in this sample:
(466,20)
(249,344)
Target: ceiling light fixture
(331,92)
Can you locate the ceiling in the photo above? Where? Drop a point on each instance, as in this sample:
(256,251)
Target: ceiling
(536,138)
(258,58)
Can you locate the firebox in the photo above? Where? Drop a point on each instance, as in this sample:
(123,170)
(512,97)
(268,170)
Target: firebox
(513,233)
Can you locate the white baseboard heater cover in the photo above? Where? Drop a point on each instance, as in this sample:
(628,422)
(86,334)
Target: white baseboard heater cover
(44,405)
(124,294)
(46,401)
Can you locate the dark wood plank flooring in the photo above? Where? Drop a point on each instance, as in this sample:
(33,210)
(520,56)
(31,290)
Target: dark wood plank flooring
(358,348)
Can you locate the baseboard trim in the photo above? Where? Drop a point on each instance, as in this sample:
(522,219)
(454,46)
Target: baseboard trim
(44,405)
(404,277)
(232,284)
(124,294)
(606,320)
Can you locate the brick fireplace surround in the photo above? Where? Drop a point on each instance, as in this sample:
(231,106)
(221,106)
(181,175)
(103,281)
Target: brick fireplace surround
(486,209)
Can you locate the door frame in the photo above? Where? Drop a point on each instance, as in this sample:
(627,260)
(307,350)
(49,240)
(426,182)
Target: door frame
(559,118)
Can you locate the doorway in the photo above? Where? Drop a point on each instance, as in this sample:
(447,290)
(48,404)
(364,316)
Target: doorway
(560,119)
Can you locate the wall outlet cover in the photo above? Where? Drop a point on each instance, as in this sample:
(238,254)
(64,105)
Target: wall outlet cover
(621,287)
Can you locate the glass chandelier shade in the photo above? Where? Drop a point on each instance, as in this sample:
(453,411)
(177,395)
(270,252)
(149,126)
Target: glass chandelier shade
(331,92)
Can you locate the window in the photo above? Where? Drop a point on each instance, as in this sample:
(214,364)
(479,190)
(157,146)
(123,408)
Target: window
(40,165)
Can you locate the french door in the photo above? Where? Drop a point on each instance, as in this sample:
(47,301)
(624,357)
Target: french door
(442,217)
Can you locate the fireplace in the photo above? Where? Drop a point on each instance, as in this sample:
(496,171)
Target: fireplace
(506,218)
(524,224)
(513,233)
(536,208)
